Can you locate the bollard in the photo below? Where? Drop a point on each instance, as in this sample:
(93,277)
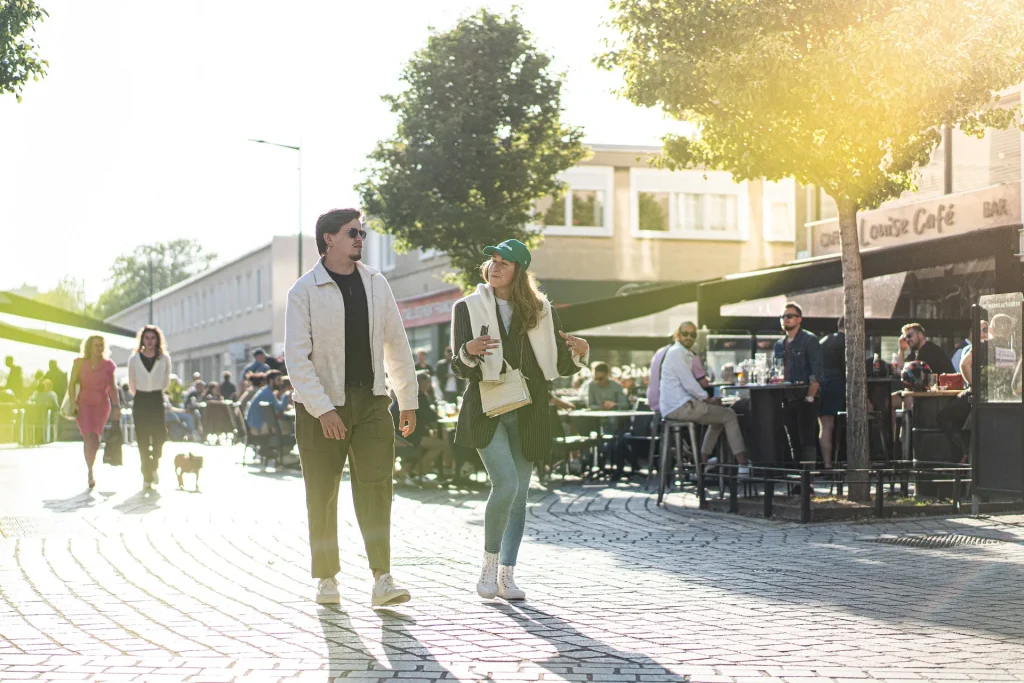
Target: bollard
(805,496)
(702,494)
(734,504)
(956,492)
(879,493)
(769,496)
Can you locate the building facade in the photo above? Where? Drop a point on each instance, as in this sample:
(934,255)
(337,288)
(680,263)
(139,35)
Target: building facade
(621,226)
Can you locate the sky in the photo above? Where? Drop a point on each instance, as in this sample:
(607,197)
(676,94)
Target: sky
(139,132)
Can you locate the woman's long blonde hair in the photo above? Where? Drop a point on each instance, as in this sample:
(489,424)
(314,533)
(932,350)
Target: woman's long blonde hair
(527,300)
(87,346)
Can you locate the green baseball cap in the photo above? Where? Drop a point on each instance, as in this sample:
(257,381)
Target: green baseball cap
(511,250)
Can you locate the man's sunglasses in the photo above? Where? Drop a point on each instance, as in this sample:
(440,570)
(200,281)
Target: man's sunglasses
(688,334)
(356,232)
(788,316)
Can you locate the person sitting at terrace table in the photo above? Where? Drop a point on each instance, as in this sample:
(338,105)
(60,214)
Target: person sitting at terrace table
(227,388)
(684,399)
(685,334)
(254,416)
(914,345)
(602,392)
(212,393)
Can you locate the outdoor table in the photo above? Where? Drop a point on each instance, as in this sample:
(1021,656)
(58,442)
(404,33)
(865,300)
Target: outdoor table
(925,442)
(765,432)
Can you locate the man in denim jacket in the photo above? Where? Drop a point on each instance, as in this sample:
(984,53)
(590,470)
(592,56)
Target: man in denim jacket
(800,354)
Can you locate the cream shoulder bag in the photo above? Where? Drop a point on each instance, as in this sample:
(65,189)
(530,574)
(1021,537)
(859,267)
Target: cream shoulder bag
(509,392)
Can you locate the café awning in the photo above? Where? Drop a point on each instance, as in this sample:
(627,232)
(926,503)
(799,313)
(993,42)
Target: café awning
(1000,244)
(615,309)
(22,307)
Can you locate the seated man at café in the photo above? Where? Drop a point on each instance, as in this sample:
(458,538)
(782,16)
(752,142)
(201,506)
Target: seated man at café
(914,345)
(254,416)
(683,398)
(685,334)
(426,438)
(601,392)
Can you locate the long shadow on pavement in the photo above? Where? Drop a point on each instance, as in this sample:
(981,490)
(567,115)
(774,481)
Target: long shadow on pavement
(347,652)
(579,650)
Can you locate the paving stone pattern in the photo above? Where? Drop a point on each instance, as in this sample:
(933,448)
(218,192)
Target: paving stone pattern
(214,586)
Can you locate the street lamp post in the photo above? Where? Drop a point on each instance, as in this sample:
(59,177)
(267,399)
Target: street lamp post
(297,148)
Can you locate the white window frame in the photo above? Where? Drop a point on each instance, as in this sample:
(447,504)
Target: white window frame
(388,257)
(778,192)
(259,288)
(585,178)
(687,182)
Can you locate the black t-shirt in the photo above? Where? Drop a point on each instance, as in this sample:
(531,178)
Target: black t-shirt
(833,355)
(148,362)
(358,359)
(934,356)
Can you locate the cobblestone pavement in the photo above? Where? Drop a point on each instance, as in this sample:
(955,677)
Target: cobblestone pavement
(214,586)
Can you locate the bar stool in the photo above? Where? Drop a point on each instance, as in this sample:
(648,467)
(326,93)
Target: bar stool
(671,434)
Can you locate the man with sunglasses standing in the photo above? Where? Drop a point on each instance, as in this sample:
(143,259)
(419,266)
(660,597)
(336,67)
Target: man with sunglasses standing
(800,354)
(343,333)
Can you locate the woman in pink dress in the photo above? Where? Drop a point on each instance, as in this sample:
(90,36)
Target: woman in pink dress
(92,381)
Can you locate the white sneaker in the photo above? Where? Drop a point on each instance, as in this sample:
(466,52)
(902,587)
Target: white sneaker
(507,588)
(385,592)
(327,592)
(487,586)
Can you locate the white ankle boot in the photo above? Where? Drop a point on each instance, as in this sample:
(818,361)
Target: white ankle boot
(507,588)
(487,586)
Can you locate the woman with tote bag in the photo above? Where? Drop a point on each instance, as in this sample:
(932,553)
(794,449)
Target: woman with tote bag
(509,345)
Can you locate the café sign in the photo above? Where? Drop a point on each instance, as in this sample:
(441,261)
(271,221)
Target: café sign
(430,309)
(951,214)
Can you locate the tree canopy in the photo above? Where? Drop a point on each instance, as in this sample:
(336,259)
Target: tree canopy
(849,95)
(171,261)
(480,139)
(19,61)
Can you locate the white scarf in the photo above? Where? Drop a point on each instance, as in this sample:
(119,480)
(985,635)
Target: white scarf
(481,306)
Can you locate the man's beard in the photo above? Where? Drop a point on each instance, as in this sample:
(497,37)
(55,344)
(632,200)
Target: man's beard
(356,256)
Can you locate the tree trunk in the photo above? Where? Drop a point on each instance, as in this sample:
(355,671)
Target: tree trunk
(858,455)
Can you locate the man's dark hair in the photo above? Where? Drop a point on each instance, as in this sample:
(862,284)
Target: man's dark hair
(331,222)
(258,352)
(795,305)
(600,366)
(273,374)
(422,376)
(257,379)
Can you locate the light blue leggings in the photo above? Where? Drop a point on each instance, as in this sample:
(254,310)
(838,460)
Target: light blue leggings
(509,472)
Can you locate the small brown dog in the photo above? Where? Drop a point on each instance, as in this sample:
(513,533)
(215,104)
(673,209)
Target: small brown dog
(187,463)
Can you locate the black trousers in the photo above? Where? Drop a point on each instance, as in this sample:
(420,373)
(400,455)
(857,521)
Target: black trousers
(953,420)
(370,440)
(150,430)
(801,420)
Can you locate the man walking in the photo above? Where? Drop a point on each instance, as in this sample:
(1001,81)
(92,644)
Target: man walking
(800,354)
(343,332)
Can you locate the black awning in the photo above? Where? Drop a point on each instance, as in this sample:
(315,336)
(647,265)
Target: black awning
(626,307)
(14,304)
(1001,243)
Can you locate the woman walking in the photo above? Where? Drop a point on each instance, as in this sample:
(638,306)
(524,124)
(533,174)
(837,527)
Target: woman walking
(92,381)
(149,376)
(506,325)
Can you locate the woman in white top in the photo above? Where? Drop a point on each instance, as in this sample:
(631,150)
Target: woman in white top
(149,375)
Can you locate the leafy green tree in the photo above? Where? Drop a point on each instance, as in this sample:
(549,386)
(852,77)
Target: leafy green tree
(848,95)
(69,294)
(130,276)
(19,61)
(480,138)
